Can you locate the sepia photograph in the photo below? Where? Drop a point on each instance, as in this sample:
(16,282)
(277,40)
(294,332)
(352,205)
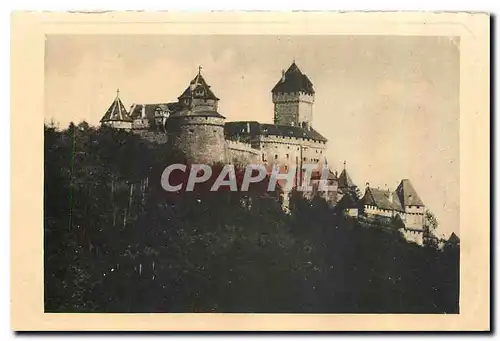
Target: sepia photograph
(278,173)
(380,114)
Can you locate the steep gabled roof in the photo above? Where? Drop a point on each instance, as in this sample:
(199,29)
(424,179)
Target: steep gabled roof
(293,80)
(381,199)
(236,129)
(407,194)
(116,111)
(150,109)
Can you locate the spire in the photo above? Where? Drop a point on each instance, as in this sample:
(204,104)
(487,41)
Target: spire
(198,76)
(116,111)
(345,180)
(198,82)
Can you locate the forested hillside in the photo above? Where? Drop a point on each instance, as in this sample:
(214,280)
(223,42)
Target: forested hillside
(114,242)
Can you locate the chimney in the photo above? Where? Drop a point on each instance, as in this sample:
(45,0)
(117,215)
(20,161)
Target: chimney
(282,76)
(143,111)
(367,185)
(248,127)
(388,193)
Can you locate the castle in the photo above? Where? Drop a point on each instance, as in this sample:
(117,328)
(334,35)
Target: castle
(194,126)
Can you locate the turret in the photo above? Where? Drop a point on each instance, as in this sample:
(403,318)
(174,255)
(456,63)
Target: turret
(197,129)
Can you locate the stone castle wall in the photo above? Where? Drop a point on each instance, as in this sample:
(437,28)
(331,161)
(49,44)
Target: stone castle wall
(199,138)
(240,153)
(414,220)
(293,108)
(413,236)
(152,136)
(290,150)
(140,123)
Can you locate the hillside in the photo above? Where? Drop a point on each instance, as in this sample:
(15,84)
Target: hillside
(114,242)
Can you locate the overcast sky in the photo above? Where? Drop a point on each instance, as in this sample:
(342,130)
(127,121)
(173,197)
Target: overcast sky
(389,105)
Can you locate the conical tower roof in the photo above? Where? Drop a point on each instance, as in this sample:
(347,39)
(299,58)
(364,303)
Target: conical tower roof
(116,111)
(345,180)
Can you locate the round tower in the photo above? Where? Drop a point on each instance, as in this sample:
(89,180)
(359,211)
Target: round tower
(197,129)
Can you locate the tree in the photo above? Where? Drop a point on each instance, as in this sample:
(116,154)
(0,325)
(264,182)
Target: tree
(105,250)
(430,221)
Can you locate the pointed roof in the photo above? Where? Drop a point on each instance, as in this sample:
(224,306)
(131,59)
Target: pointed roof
(116,111)
(198,88)
(345,180)
(348,200)
(453,239)
(293,80)
(407,194)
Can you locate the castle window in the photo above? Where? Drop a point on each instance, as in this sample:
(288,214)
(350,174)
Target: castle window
(215,130)
(191,130)
(276,156)
(287,156)
(305,159)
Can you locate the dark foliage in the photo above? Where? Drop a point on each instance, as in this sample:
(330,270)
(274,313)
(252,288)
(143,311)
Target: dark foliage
(114,242)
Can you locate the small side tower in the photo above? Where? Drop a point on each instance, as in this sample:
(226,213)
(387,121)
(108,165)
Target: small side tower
(293,98)
(197,129)
(411,204)
(117,116)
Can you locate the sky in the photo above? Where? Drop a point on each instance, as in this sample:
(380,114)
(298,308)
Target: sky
(389,105)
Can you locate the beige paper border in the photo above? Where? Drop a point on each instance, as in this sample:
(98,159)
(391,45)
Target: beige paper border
(27,52)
